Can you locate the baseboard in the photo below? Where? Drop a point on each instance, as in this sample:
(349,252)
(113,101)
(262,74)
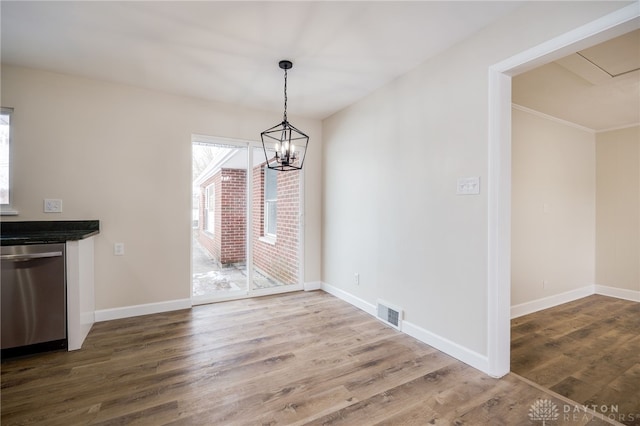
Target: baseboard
(457,351)
(620,293)
(313,285)
(137,310)
(464,354)
(350,298)
(550,301)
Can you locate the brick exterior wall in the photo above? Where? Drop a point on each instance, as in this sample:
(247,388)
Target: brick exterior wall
(278,259)
(227,242)
(233,206)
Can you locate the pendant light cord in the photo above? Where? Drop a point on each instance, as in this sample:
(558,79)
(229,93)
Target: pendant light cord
(285,95)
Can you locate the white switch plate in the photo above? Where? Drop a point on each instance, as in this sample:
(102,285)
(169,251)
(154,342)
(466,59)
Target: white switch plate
(118,249)
(52,205)
(468,186)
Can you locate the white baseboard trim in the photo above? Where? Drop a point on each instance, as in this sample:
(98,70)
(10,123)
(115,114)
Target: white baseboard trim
(550,301)
(457,351)
(313,285)
(620,293)
(464,354)
(350,298)
(137,310)
(569,296)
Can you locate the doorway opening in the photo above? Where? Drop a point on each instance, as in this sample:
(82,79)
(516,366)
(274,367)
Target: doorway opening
(245,223)
(499,173)
(561,332)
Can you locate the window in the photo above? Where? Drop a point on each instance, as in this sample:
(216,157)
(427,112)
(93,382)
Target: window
(270,201)
(5,157)
(209,208)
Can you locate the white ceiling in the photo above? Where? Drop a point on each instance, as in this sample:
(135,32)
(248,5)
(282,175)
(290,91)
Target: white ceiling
(597,88)
(229,51)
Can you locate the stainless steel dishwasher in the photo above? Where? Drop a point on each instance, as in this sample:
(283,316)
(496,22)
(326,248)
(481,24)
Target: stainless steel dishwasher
(34,314)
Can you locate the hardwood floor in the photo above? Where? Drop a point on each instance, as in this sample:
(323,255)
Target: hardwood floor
(587,350)
(299,358)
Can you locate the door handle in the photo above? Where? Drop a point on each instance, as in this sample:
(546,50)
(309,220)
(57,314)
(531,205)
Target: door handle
(30,256)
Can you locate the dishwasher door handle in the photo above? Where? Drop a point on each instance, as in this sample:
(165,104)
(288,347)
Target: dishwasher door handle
(30,256)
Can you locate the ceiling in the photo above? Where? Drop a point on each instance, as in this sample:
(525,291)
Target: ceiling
(598,88)
(342,51)
(229,51)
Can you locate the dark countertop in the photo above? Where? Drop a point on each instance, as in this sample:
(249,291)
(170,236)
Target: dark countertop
(44,232)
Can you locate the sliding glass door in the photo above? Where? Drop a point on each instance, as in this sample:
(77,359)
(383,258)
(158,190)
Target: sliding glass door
(245,223)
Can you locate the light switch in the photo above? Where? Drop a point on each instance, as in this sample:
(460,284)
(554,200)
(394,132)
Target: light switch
(118,249)
(468,186)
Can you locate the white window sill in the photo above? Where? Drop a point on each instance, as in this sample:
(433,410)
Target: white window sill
(8,212)
(268,239)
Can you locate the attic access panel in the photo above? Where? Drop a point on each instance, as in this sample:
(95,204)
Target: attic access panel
(617,56)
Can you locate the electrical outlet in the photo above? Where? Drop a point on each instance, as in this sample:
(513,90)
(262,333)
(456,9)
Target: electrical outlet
(356,278)
(52,205)
(118,249)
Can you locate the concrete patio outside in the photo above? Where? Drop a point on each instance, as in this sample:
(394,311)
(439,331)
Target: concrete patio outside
(211,279)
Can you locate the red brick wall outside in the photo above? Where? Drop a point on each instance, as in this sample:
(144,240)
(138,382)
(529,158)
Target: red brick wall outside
(280,258)
(233,204)
(227,242)
(277,258)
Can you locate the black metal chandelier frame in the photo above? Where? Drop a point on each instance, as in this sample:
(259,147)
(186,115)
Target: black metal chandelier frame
(290,143)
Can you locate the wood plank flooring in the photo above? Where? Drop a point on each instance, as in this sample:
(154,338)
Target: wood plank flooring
(299,358)
(587,350)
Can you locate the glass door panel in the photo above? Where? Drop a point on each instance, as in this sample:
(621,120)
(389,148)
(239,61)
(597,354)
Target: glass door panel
(275,227)
(219,234)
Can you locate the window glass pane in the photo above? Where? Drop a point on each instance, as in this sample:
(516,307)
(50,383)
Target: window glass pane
(270,184)
(271,217)
(5,126)
(270,200)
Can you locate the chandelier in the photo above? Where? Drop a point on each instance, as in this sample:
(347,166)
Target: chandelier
(284,145)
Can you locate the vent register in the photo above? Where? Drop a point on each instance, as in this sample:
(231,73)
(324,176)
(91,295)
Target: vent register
(389,314)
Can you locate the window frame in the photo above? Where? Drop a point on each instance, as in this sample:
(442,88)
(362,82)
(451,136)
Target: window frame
(6,209)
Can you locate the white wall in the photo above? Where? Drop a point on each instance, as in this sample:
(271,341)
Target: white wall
(618,209)
(553,207)
(122,155)
(390,211)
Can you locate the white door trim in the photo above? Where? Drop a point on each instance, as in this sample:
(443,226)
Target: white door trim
(499,174)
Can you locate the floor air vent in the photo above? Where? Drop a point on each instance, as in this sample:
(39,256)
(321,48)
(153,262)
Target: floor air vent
(390,314)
